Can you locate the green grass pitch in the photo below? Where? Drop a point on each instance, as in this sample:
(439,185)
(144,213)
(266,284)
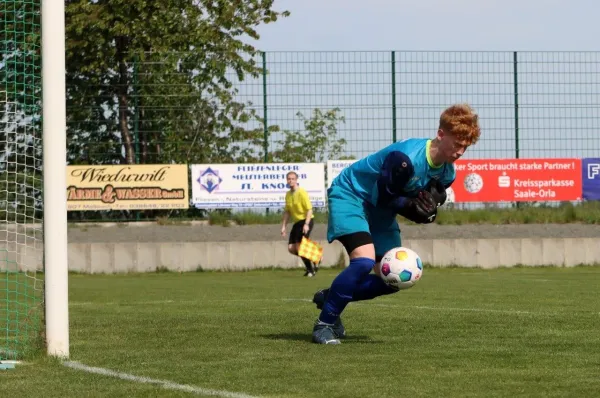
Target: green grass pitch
(458,333)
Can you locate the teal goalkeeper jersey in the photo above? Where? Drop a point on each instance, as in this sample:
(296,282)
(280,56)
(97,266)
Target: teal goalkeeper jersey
(361,177)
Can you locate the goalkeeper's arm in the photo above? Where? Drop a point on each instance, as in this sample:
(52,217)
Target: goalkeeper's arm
(396,172)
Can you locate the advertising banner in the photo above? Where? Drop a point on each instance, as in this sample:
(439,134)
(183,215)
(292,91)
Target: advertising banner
(127,187)
(335,167)
(254,185)
(517,180)
(590,174)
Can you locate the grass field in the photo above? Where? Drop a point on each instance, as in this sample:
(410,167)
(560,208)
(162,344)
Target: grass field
(527,213)
(458,333)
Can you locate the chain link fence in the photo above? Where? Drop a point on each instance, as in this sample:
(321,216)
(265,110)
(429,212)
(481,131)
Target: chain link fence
(159,110)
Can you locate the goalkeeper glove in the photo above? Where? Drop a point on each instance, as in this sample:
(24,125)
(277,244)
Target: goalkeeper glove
(437,191)
(421,209)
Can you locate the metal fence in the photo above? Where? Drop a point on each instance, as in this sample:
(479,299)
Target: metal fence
(531,104)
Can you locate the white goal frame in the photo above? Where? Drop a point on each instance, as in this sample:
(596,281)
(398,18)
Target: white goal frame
(54,168)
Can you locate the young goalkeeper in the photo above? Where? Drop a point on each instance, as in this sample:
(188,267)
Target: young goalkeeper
(408,178)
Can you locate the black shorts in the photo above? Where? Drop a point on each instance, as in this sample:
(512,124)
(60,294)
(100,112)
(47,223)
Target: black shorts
(296,232)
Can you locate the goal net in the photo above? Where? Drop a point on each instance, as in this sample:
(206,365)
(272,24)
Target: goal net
(21,233)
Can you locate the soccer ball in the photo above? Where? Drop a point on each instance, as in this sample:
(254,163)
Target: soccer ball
(473,183)
(450,196)
(401,268)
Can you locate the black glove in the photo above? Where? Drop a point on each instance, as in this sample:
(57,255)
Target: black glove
(425,205)
(421,209)
(437,191)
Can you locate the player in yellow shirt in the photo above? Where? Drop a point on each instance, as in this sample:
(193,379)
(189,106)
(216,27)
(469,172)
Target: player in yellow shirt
(299,209)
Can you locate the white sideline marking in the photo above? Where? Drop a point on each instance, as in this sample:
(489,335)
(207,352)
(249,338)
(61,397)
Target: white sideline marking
(166,384)
(509,312)
(293,299)
(423,307)
(418,307)
(160,302)
(157,302)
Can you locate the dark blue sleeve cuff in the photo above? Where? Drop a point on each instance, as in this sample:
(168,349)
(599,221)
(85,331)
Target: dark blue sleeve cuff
(396,171)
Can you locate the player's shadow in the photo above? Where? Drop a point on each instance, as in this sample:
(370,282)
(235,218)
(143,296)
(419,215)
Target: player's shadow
(307,337)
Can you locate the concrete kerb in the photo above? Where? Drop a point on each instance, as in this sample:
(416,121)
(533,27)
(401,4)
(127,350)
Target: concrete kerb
(121,257)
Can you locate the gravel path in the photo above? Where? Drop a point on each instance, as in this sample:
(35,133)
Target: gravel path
(198,233)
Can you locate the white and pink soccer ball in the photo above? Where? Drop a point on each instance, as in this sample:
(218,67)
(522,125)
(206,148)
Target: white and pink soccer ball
(401,268)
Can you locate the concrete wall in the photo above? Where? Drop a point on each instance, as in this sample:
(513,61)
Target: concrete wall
(191,256)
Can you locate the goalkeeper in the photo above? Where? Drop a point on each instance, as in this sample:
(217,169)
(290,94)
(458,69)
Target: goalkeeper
(408,178)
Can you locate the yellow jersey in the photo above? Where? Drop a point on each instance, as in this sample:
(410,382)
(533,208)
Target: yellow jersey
(297,204)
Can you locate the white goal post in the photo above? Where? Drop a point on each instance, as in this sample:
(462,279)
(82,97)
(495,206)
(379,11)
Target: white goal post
(54,171)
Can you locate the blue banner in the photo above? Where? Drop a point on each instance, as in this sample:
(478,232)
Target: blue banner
(590,176)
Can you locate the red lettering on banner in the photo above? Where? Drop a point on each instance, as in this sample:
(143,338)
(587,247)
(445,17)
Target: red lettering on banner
(517,180)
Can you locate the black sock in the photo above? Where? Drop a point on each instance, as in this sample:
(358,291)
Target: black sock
(307,264)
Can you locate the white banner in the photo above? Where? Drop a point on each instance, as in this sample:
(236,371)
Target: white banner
(254,185)
(335,167)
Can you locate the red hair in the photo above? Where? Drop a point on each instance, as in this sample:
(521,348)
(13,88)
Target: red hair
(461,121)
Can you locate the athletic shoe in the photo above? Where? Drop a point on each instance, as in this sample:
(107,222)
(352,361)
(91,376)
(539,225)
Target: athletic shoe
(323,334)
(338,327)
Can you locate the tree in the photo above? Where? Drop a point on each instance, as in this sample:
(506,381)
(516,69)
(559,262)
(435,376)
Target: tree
(164,70)
(318,142)
(20,112)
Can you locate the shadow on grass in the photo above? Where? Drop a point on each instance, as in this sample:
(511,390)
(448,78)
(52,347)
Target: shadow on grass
(307,338)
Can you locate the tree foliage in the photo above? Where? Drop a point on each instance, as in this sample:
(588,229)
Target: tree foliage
(20,91)
(153,81)
(316,143)
(20,113)
(147,82)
